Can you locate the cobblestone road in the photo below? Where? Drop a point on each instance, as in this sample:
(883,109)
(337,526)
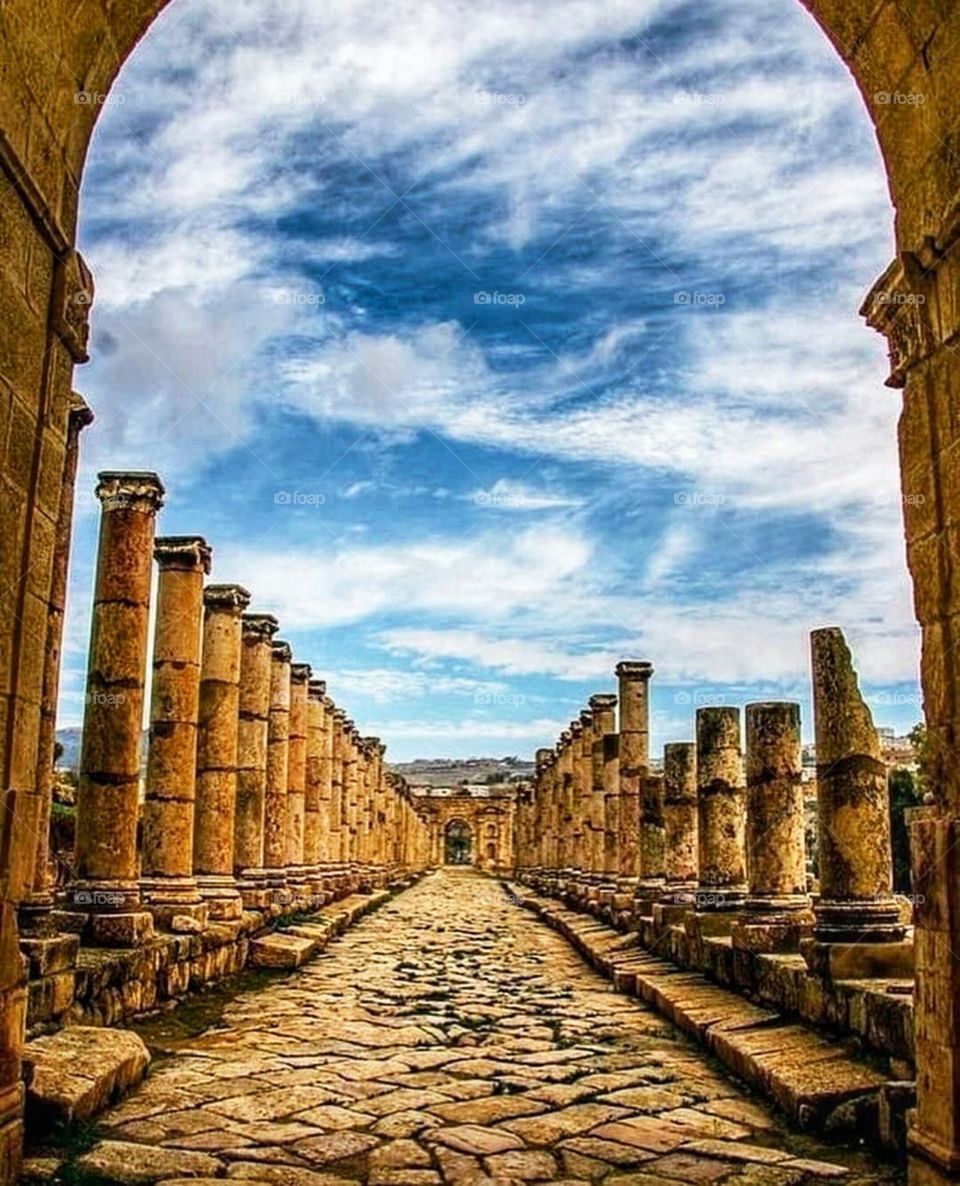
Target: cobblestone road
(451,1037)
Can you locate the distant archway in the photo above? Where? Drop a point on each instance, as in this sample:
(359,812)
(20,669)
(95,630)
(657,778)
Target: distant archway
(458,843)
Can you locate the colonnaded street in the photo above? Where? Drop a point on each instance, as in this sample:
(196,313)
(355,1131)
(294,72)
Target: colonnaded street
(451,1037)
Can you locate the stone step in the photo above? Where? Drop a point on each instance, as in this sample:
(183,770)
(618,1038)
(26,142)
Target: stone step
(806,1073)
(77,1072)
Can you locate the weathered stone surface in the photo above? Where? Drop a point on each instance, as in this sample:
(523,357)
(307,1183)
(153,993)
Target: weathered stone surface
(453,1035)
(128,1164)
(281,950)
(74,1074)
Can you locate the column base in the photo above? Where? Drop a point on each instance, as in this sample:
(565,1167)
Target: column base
(772,931)
(859,961)
(647,893)
(49,954)
(120,929)
(670,914)
(710,924)
(255,894)
(221,896)
(873,921)
(168,898)
(35,916)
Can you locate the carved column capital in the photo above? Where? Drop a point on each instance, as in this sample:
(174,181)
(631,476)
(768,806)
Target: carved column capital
(134,490)
(186,552)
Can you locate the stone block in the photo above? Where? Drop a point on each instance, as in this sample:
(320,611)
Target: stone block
(128,1164)
(72,1075)
(281,950)
(859,961)
(54,954)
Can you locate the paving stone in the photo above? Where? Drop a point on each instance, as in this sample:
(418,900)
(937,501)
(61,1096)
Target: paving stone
(127,1164)
(72,1075)
(454,1035)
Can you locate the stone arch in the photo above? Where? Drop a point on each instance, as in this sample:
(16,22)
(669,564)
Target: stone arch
(51,90)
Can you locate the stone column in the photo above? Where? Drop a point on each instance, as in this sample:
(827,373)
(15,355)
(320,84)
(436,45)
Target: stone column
(721,812)
(777,909)
(572,809)
(604,708)
(329,840)
(313,800)
(216,805)
(35,909)
(167,882)
(337,823)
(349,828)
(858,930)
(680,831)
(255,665)
(634,688)
(297,778)
(611,818)
(544,759)
(583,788)
(104,900)
(278,767)
(563,815)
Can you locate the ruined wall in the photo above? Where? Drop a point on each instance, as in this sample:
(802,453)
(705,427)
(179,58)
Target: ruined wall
(489,818)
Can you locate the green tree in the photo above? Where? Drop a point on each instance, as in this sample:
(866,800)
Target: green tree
(904,793)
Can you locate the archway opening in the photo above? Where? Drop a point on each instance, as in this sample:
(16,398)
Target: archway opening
(458,843)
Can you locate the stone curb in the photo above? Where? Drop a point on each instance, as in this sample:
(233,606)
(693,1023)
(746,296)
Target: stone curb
(816,1081)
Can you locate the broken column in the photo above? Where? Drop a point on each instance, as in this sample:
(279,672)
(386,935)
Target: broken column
(216,798)
(776,911)
(680,832)
(721,810)
(278,760)
(167,881)
(297,779)
(103,902)
(634,692)
(857,929)
(255,665)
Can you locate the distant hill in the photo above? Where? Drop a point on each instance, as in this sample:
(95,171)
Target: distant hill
(445,772)
(434,772)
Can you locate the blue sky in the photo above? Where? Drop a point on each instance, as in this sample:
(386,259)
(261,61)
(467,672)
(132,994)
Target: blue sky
(487,346)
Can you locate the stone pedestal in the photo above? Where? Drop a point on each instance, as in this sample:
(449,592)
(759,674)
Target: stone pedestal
(103,903)
(856,910)
(721,811)
(680,833)
(216,805)
(167,882)
(255,664)
(777,911)
(35,909)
